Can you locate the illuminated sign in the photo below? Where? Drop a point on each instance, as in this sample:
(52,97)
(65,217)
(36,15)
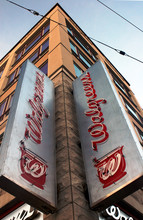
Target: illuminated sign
(27,159)
(111,150)
(24,212)
(115,213)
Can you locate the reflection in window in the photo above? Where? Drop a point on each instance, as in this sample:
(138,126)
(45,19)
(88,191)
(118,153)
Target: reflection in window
(132,111)
(119,86)
(84,60)
(44,68)
(13,76)
(2,106)
(73,47)
(32,43)
(140,134)
(45,45)
(78,70)
(34,56)
(46,29)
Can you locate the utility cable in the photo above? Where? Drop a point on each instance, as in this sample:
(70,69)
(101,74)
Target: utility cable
(37,14)
(120,15)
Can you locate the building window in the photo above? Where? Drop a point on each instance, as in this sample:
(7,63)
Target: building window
(82,57)
(34,56)
(2,69)
(78,70)
(46,29)
(119,86)
(140,134)
(13,76)
(73,47)
(81,41)
(44,68)
(5,106)
(132,111)
(32,42)
(43,48)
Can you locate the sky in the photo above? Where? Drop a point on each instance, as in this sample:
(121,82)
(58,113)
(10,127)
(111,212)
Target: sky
(96,21)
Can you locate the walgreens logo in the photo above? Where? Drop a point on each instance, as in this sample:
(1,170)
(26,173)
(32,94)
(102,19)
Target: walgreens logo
(110,168)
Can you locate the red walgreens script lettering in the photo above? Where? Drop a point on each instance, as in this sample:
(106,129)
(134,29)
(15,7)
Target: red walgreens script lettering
(33,167)
(35,119)
(98,130)
(111,168)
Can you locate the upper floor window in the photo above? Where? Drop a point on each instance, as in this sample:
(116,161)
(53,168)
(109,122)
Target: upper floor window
(81,41)
(81,56)
(43,48)
(5,106)
(32,41)
(13,76)
(44,67)
(2,69)
(132,111)
(119,86)
(140,133)
(78,70)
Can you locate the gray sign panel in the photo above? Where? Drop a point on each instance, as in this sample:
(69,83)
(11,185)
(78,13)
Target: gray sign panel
(27,157)
(112,153)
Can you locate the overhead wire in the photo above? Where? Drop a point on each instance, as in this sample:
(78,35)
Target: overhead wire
(120,16)
(38,14)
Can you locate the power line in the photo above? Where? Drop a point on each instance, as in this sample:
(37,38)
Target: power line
(37,14)
(120,16)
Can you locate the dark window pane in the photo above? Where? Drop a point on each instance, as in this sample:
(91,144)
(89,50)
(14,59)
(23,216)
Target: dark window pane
(84,60)
(73,47)
(32,43)
(10,102)
(11,77)
(2,107)
(44,68)
(45,46)
(46,29)
(34,56)
(78,71)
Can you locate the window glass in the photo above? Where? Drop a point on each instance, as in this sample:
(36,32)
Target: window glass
(81,44)
(44,68)
(34,56)
(2,107)
(78,70)
(119,86)
(84,60)
(11,77)
(132,111)
(45,45)
(69,30)
(73,47)
(46,29)
(32,43)
(10,101)
(18,55)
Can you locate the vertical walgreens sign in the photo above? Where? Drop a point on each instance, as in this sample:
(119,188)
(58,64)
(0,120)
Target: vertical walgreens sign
(28,149)
(112,153)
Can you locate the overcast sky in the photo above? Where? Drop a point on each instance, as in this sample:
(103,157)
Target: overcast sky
(96,21)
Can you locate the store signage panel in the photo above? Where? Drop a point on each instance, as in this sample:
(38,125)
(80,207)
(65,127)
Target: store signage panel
(24,212)
(112,153)
(114,213)
(27,158)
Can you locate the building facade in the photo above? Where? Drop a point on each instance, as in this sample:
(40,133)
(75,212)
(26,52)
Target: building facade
(60,49)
